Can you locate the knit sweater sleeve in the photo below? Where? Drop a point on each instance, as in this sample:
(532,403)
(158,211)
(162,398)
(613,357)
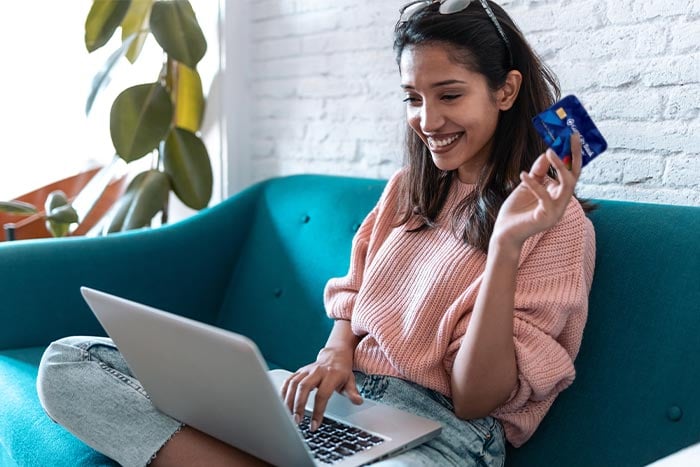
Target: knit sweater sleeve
(340,293)
(551,307)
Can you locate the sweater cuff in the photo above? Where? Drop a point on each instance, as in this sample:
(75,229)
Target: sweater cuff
(340,306)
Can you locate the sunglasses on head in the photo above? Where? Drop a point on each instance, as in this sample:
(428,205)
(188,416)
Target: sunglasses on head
(447,7)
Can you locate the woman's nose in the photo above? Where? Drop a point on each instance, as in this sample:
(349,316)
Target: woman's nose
(431,119)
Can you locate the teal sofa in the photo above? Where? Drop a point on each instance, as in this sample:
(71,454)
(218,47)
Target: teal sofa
(257,264)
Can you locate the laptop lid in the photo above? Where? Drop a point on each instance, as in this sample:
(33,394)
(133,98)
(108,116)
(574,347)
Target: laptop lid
(174,358)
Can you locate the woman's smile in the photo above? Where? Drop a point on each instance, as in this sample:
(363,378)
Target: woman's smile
(440,144)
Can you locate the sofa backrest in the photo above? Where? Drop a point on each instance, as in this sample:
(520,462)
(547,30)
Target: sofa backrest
(635,396)
(299,237)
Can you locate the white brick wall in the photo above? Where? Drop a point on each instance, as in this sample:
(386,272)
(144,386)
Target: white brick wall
(325,88)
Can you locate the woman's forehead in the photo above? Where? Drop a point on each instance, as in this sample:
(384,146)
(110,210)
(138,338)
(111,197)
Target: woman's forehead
(431,64)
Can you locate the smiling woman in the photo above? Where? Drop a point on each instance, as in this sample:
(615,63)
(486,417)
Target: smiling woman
(45,132)
(456,118)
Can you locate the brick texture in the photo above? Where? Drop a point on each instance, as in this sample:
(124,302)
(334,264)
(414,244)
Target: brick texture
(326,98)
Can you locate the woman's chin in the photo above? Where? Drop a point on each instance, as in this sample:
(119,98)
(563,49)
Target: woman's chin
(443,164)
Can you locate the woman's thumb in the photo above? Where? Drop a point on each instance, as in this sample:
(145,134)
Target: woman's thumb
(351,392)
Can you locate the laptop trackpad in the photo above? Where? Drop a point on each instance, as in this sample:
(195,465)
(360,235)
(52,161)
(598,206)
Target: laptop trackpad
(342,407)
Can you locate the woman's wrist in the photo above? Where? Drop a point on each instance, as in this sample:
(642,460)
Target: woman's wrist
(502,246)
(335,350)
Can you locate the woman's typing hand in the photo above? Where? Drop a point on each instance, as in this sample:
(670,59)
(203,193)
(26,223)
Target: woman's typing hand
(332,371)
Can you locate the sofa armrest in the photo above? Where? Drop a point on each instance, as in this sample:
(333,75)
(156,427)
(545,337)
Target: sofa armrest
(184,268)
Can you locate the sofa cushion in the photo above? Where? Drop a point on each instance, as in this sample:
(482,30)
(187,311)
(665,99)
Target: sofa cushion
(33,438)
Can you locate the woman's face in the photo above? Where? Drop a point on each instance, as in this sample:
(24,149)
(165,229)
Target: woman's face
(450,108)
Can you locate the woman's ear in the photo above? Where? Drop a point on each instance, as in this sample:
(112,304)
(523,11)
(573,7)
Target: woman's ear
(506,95)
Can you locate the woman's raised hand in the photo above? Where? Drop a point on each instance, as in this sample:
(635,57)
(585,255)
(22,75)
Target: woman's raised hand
(535,206)
(332,371)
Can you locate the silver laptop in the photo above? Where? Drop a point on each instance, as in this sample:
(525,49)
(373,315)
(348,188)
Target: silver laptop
(217,382)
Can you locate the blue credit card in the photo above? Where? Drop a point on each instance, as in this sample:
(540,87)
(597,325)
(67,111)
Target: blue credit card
(556,125)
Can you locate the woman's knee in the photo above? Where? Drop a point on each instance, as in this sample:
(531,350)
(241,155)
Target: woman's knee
(58,377)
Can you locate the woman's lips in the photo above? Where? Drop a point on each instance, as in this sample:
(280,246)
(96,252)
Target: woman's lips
(443,143)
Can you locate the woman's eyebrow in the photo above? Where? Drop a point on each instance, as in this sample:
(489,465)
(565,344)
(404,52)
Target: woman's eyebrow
(437,85)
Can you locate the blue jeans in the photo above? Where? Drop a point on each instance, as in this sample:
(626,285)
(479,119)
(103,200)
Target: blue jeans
(479,442)
(85,385)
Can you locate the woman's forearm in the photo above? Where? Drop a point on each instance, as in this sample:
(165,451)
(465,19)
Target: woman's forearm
(342,337)
(485,370)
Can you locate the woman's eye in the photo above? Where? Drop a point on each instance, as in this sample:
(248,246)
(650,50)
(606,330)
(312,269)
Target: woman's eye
(410,99)
(451,97)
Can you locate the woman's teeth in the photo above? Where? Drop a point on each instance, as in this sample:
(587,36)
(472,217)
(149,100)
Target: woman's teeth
(442,142)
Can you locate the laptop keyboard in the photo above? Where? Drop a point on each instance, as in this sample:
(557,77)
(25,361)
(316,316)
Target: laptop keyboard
(333,441)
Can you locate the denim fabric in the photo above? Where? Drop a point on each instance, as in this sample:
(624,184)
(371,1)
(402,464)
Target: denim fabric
(85,385)
(479,442)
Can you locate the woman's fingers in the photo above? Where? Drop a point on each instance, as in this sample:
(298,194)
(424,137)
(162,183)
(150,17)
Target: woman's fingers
(305,386)
(289,389)
(554,197)
(537,189)
(566,181)
(324,392)
(568,176)
(351,392)
(540,168)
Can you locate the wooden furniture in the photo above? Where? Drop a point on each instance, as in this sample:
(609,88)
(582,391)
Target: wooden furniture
(18,227)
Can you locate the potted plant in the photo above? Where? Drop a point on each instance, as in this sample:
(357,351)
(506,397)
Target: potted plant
(160,119)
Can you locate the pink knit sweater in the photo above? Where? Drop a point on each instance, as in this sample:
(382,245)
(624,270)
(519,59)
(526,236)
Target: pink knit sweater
(410,297)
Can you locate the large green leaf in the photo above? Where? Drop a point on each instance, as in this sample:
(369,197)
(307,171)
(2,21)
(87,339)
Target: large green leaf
(102,77)
(145,196)
(175,27)
(187,95)
(186,161)
(17,207)
(139,120)
(102,20)
(136,22)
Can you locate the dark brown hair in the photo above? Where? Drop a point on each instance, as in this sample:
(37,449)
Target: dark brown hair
(473,41)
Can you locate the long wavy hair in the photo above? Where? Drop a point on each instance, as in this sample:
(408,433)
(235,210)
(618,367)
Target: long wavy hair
(472,40)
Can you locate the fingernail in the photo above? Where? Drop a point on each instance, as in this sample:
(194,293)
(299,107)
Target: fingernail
(297,418)
(314,425)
